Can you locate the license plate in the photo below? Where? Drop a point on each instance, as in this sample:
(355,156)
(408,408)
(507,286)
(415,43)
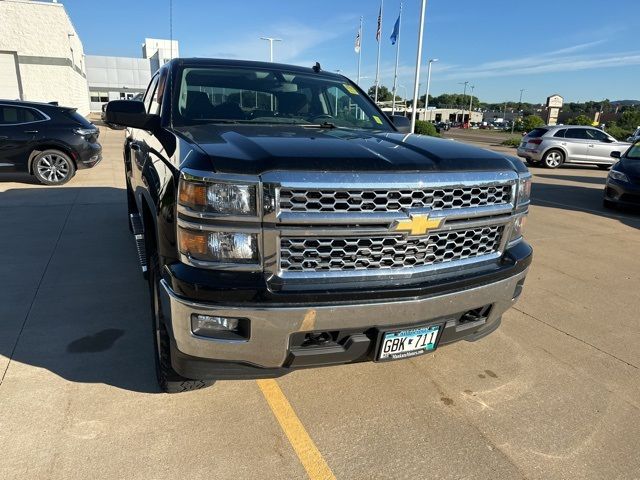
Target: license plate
(408,343)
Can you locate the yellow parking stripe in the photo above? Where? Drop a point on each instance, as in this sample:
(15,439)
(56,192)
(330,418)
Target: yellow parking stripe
(307,452)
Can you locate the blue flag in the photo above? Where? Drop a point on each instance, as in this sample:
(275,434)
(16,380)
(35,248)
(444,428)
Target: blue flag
(396,32)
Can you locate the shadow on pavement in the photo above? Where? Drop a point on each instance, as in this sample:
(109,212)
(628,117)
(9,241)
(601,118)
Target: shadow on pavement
(581,199)
(74,301)
(18,178)
(570,178)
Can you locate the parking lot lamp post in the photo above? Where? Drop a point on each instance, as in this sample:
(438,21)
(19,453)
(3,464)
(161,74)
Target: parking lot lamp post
(426,97)
(471,102)
(513,121)
(271,40)
(464,94)
(416,80)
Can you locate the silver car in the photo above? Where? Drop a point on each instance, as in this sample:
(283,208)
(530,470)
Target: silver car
(553,146)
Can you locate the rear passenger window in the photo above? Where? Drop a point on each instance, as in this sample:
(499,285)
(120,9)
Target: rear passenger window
(537,132)
(10,115)
(560,133)
(580,133)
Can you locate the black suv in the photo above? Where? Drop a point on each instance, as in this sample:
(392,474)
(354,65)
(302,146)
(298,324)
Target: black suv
(48,141)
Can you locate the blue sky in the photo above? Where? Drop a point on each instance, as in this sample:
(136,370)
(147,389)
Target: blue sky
(586,51)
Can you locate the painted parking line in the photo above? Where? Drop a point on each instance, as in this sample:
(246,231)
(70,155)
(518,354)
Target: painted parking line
(305,449)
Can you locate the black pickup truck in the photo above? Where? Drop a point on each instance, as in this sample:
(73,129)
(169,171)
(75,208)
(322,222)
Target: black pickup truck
(283,222)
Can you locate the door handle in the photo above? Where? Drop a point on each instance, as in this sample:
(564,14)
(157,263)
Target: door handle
(590,145)
(31,131)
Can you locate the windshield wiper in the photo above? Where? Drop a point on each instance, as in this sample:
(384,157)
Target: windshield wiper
(321,125)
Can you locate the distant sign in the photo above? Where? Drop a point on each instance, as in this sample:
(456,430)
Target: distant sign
(555,101)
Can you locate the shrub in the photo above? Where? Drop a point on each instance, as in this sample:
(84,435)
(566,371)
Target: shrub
(580,120)
(426,128)
(512,142)
(617,132)
(532,121)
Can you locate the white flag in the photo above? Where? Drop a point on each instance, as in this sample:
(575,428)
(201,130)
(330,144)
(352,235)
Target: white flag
(357,45)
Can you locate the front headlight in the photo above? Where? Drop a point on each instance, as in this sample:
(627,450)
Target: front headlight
(524,190)
(222,247)
(218,198)
(619,176)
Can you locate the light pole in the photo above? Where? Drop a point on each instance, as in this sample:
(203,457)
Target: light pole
(426,98)
(471,103)
(513,121)
(414,110)
(271,40)
(464,94)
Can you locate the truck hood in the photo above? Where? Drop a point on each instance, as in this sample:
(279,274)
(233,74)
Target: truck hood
(258,149)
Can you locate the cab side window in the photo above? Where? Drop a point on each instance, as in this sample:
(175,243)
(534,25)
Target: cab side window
(151,90)
(156,98)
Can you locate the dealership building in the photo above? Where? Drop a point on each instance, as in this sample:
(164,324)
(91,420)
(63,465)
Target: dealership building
(121,78)
(41,56)
(42,59)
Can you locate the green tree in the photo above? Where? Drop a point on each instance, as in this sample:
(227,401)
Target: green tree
(580,120)
(531,121)
(384,94)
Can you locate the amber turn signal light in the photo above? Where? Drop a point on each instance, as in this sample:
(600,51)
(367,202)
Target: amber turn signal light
(193,194)
(192,243)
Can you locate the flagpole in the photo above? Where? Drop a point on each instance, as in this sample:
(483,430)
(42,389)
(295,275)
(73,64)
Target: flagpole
(379,44)
(395,74)
(416,84)
(360,52)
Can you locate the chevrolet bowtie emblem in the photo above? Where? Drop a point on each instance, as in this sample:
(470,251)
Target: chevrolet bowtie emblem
(417,224)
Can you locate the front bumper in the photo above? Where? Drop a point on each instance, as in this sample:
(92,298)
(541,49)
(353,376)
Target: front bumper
(269,351)
(622,193)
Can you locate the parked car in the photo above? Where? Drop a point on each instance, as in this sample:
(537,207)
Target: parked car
(443,126)
(623,182)
(551,146)
(287,233)
(635,136)
(47,141)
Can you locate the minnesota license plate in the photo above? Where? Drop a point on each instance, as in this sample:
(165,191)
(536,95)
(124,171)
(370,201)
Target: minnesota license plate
(408,343)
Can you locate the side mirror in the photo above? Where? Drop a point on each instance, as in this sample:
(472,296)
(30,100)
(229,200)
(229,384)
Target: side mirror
(615,154)
(130,113)
(402,123)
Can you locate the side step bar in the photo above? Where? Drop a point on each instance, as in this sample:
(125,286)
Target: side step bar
(138,232)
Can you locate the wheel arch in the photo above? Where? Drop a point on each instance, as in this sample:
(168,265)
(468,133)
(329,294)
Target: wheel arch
(41,147)
(560,148)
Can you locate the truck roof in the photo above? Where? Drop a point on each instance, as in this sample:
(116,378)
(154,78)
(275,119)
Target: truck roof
(225,62)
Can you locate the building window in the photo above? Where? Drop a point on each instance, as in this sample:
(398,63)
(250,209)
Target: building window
(99,97)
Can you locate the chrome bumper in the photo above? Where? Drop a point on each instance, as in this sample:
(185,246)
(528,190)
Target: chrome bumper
(271,326)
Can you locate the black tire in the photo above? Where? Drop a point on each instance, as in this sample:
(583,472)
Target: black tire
(53,167)
(553,158)
(604,167)
(168,379)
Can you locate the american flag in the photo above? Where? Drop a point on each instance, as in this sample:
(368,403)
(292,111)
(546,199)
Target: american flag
(358,40)
(379,30)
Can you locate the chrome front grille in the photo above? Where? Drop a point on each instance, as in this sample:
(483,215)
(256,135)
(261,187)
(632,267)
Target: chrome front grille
(392,200)
(350,253)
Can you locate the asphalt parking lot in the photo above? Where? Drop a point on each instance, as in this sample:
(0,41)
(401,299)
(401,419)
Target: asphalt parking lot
(553,394)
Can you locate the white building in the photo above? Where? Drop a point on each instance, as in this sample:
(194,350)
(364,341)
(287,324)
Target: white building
(41,55)
(121,78)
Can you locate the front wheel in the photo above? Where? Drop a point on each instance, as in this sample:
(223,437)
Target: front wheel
(168,379)
(553,159)
(53,167)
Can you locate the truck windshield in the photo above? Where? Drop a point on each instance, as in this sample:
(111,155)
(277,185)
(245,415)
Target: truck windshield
(209,95)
